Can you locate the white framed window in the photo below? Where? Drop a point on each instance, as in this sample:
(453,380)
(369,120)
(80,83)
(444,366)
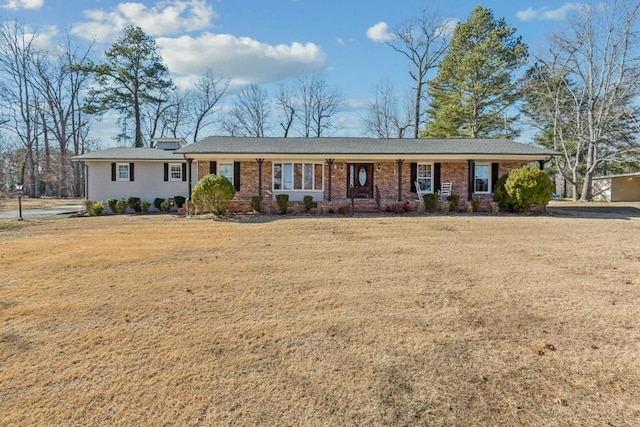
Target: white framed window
(122,172)
(226,170)
(297,176)
(482,177)
(175,172)
(425,177)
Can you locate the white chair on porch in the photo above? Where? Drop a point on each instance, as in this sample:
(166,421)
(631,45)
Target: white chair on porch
(420,192)
(444,191)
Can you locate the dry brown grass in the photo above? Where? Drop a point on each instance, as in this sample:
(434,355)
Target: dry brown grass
(461,320)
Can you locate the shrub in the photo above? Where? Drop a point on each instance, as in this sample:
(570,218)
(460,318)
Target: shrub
(179,200)
(342,210)
(134,203)
(523,188)
(145,205)
(430,202)
(88,206)
(121,206)
(500,195)
(282,200)
(157,202)
(165,206)
(256,203)
(112,204)
(454,201)
(446,206)
(308,202)
(98,208)
(212,194)
(473,206)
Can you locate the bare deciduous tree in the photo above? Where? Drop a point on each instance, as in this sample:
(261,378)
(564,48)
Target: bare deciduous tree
(423,41)
(317,105)
(248,116)
(596,64)
(203,100)
(17,54)
(384,119)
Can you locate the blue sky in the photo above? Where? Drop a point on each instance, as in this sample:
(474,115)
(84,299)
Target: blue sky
(267,41)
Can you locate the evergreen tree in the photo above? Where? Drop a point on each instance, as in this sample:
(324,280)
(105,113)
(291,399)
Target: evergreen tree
(475,84)
(132,76)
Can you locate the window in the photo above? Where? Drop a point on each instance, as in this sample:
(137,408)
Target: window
(297,176)
(425,177)
(123,172)
(481,179)
(226,170)
(175,172)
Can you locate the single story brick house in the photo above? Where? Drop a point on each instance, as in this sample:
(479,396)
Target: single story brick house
(383,171)
(378,172)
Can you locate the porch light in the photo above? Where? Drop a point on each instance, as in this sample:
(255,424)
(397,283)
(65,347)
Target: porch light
(378,167)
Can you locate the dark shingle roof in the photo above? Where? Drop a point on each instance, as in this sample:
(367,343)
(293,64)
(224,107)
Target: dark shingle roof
(129,154)
(360,146)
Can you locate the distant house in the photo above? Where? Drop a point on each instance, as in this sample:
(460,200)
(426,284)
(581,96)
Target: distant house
(331,170)
(117,173)
(617,188)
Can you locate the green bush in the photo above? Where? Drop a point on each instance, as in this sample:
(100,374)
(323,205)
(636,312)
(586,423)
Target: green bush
(145,205)
(282,200)
(212,194)
(256,203)
(134,204)
(473,206)
(179,200)
(522,188)
(454,201)
(157,202)
(88,206)
(500,195)
(165,206)
(112,204)
(430,202)
(121,206)
(308,202)
(446,206)
(98,208)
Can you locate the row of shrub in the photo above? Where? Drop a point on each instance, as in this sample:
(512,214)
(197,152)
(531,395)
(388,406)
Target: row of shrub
(133,203)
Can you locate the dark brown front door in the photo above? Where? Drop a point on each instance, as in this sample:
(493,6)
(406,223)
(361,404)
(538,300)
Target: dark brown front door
(360,177)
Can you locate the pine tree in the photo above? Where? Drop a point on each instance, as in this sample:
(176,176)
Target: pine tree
(132,76)
(475,84)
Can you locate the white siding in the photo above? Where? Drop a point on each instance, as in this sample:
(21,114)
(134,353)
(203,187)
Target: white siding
(148,182)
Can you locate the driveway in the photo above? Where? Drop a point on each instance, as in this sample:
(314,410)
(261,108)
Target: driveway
(42,213)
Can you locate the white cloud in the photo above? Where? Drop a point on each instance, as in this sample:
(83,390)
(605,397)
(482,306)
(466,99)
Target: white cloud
(547,14)
(163,18)
(241,59)
(379,33)
(23,4)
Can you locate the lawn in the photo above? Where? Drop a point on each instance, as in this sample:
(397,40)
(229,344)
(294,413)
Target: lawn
(321,321)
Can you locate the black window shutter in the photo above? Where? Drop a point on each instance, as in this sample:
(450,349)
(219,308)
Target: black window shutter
(212,168)
(436,177)
(236,175)
(184,171)
(414,176)
(166,171)
(131,172)
(113,171)
(495,171)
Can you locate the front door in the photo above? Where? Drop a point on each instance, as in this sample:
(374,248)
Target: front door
(360,177)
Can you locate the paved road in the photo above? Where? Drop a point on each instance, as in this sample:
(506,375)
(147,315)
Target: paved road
(42,213)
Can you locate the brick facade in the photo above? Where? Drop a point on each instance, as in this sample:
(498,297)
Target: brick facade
(385,177)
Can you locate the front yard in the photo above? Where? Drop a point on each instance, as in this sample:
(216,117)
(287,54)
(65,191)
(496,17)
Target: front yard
(382,320)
